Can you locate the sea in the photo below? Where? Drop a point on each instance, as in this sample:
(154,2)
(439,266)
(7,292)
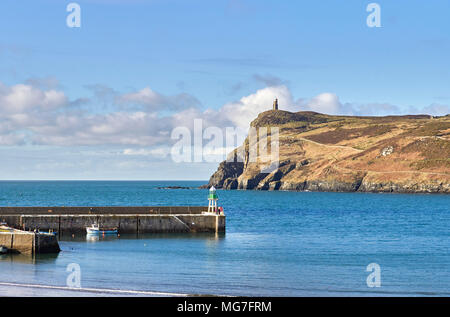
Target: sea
(276,243)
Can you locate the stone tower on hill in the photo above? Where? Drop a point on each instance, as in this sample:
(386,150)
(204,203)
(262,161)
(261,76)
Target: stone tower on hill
(275,104)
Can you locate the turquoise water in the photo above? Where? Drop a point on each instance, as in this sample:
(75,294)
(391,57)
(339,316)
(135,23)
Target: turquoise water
(276,244)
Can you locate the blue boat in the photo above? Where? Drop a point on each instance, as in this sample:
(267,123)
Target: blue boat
(95,229)
(55,233)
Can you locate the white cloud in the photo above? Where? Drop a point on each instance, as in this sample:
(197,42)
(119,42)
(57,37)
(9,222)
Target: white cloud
(23,98)
(435,109)
(12,139)
(329,103)
(159,152)
(154,101)
(325,103)
(242,112)
(370,109)
(29,114)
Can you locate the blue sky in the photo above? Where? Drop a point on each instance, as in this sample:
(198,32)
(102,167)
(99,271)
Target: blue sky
(137,69)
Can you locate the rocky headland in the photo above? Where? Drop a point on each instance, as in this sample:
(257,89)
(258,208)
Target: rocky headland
(318,152)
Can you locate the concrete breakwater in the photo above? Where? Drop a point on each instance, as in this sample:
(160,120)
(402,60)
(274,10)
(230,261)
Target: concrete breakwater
(147,219)
(29,242)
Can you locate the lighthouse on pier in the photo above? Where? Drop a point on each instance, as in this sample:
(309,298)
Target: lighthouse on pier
(212,200)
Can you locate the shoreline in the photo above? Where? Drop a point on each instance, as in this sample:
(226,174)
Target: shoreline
(332,192)
(9,289)
(86,291)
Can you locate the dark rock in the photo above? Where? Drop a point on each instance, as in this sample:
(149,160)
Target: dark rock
(252,183)
(225,170)
(230,183)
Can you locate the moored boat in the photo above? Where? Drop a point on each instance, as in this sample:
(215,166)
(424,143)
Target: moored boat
(4,227)
(3,249)
(55,233)
(95,229)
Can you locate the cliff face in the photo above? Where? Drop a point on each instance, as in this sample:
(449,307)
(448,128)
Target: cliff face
(405,154)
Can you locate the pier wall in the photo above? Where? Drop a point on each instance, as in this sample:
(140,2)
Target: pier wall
(29,242)
(96,210)
(74,220)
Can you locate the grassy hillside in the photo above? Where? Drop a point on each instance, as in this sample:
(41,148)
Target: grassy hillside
(348,153)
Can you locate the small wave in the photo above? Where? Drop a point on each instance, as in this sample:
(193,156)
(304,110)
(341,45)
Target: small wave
(97,290)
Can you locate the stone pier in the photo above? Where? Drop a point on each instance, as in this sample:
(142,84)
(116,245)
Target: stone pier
(148,219)
(29,242)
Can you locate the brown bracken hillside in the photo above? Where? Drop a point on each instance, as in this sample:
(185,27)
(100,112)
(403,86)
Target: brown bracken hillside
(320,152)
